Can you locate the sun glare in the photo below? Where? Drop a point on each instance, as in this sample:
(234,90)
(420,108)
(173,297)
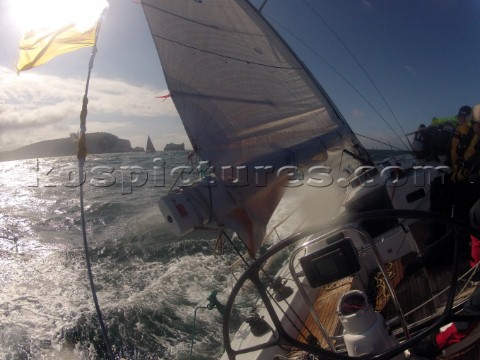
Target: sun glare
(54,14)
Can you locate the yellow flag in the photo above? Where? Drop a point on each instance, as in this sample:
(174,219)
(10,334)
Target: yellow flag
(38,47)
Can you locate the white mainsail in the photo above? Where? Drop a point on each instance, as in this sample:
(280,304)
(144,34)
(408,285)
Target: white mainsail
(245,100)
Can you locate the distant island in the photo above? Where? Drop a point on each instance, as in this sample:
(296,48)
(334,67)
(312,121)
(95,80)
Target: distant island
(172,146)
(97,143)
(102,143)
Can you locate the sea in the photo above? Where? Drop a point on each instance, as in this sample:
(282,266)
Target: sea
(152,286)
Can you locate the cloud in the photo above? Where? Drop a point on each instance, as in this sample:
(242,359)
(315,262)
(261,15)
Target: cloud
(35,107)
(118,97)
(15,117)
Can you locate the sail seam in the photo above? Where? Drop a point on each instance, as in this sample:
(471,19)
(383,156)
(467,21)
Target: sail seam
(228,57)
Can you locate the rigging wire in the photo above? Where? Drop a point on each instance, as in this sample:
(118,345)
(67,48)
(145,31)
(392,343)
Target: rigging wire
(381,142)
(81,155)
(341,76)
(360,66)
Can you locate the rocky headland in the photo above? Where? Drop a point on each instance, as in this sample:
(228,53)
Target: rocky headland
(97,143)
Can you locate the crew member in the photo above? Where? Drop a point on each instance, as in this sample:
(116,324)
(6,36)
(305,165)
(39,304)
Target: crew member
(465,171)
(449,195)
(461,140)
(467,191)
(442,187)
(471,170)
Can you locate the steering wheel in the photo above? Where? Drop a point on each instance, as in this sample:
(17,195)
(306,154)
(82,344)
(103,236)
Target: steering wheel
(252,273)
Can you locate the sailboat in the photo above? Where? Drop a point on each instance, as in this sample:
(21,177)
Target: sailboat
(149,147)
(351,280)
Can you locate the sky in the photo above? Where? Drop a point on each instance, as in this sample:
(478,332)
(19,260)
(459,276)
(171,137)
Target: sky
(387,65)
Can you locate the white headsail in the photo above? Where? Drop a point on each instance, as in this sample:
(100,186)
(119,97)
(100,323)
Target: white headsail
(245,100)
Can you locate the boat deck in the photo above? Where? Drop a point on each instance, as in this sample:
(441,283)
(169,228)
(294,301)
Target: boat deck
(420,291)
(326,305)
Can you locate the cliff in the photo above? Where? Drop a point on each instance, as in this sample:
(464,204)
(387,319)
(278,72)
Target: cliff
(172,146)
(97,143)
